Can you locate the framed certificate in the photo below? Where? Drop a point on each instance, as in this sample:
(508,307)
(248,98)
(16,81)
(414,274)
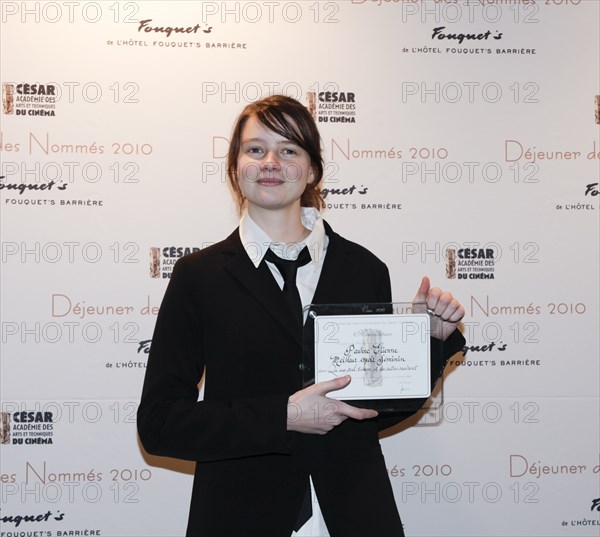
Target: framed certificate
(385,348)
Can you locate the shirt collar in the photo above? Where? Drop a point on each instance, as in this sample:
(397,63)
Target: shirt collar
(256,241)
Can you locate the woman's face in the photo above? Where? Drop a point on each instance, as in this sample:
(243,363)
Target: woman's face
(272,171)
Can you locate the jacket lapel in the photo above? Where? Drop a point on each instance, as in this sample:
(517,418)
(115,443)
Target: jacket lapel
(260,284)
(334,268)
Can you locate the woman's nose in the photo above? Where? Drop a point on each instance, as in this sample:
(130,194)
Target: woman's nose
(270,162)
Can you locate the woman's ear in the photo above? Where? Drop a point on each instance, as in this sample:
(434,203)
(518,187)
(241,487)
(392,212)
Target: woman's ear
(311,176)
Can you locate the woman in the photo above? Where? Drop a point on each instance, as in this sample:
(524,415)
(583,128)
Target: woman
(229,312)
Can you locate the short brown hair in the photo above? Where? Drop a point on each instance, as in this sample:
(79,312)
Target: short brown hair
(290,119)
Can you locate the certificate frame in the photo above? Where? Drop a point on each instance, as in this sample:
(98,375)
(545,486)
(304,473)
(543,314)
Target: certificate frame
(384,400)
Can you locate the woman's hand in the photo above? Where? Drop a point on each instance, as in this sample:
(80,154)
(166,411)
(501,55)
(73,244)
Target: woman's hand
(311,412)
(442,304)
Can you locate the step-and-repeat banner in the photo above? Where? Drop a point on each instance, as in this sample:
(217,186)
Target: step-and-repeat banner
(462,142)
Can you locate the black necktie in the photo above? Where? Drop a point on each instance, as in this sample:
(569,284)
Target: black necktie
(288,270)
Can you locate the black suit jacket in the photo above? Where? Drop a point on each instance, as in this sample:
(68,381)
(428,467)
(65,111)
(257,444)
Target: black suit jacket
(222,314)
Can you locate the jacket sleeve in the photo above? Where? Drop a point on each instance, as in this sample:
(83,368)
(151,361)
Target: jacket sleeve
(171,421)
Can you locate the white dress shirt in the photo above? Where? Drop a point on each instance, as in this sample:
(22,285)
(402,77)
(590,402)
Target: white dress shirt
(256,242)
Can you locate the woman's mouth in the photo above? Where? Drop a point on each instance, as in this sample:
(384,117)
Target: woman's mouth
(269,181)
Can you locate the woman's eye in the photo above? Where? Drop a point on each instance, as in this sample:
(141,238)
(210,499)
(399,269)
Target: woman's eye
(289,151)
(254,150)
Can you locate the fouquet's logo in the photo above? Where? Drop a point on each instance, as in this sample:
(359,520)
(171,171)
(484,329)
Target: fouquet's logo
(460,37)
(144,346)
(168,30)
(488,347)
(591,189)
(595,505)
(347,191)
(17,519)
(22,187)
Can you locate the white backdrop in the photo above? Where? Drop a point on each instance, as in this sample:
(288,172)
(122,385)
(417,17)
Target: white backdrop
(469,151)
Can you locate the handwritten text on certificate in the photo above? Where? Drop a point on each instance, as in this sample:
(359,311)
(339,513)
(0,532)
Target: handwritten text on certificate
(387,356)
